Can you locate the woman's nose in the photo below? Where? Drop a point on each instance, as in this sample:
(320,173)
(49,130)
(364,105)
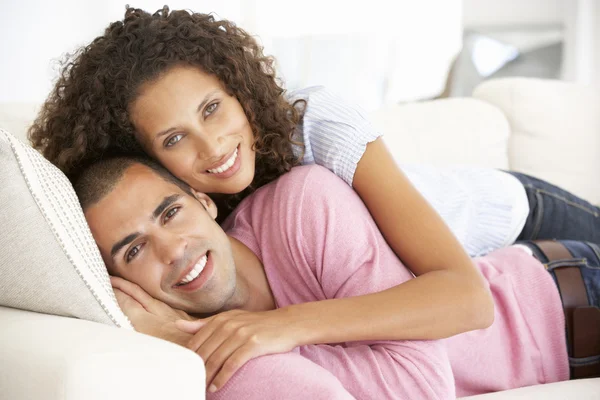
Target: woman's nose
(209,146)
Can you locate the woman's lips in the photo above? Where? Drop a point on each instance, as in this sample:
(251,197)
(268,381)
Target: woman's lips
(235,167)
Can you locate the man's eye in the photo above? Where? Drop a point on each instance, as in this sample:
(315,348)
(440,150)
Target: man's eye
(171,213)
(210,109)
(173,140)
(133,252)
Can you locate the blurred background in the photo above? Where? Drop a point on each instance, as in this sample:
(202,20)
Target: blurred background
(373,53)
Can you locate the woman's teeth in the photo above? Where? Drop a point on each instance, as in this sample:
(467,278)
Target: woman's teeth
(226,165)
(195,271)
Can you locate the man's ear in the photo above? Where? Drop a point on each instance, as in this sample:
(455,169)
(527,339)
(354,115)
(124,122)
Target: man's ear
(207,202)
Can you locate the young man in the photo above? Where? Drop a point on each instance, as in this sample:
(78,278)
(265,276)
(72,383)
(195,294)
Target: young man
(302,239)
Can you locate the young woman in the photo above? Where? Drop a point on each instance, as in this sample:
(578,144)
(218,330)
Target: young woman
(199,96)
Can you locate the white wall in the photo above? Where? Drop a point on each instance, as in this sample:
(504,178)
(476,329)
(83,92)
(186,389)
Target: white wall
(581,59)
(37,33)
(371,53)
(576,21)
(503,13)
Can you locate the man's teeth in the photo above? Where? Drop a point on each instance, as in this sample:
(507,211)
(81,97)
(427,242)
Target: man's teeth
(195,271)
(225,166)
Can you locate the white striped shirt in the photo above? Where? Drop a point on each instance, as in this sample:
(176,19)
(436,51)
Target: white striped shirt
(485,208)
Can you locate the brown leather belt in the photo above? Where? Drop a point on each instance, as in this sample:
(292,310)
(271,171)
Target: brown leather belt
(582,319)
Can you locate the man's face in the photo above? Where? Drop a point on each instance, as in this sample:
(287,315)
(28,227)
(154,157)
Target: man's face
(152,233)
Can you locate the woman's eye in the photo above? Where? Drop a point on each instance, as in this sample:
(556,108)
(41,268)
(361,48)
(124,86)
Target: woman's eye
(173,140)
(171,213)
(132,253)
(210,109)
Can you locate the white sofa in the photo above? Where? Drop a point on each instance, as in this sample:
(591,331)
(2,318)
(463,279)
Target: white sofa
(544,128)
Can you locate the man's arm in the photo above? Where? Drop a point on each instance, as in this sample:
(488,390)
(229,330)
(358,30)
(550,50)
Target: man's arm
(279,376)
(287,376)
(355,267)
(388,370)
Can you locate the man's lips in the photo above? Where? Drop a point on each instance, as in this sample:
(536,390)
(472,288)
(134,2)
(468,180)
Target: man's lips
(199,281)
(188,269)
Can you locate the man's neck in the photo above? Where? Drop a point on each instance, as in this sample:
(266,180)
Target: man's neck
(251,278)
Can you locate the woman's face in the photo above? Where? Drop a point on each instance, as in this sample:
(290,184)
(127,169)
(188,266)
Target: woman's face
(187,121)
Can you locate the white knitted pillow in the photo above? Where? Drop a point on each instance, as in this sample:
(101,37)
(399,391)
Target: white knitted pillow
(49,262)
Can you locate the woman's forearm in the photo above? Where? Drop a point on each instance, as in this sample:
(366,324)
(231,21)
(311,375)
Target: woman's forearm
(448,295)
(435,305)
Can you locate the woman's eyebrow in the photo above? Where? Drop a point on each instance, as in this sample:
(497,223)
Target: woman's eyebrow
(206,98)
(200,107)
(163,133)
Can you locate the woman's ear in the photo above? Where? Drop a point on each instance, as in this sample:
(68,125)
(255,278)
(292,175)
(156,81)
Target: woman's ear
(206,202)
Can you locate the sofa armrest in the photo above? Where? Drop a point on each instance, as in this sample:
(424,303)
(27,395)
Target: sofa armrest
(50,357)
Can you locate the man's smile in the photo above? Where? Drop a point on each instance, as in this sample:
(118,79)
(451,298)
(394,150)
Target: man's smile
(196,274)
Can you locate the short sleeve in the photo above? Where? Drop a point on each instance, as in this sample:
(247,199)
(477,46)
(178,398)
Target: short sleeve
(335,133)
(349,257)
(319,242)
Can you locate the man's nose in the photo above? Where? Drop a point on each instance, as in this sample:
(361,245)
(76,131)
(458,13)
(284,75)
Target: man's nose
(171,248)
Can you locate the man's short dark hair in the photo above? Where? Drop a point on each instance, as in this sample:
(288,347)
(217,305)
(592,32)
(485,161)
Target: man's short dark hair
(100,178)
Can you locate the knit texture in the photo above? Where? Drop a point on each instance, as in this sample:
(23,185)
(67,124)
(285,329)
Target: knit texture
(318,241)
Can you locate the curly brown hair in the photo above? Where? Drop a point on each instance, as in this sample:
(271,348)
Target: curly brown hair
(86,114)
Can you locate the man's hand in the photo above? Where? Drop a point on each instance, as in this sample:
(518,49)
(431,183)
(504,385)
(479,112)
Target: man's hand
(228,340)
(149,315)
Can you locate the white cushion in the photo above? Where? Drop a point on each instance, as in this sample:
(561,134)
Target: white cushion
(49,260)
(582,389)
(55,358)
(443,132)
(555,130)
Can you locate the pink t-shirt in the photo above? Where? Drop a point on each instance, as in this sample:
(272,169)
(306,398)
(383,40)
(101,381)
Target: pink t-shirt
(317,241)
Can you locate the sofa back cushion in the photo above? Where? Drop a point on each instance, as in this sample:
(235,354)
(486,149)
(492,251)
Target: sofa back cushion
(445,132)
(555,130)
(49,261)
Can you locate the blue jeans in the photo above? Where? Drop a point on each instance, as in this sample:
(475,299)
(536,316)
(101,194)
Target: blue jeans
(555,213)
(586,256)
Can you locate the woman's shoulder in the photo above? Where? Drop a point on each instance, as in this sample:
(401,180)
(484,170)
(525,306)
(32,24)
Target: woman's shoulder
(305,93)
(322,103)
(323,106)
(334,132)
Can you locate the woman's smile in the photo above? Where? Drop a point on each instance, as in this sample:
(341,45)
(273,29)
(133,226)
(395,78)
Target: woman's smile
(188,121)
(227,166)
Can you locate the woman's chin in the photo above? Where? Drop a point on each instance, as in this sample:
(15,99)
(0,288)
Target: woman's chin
(236,186)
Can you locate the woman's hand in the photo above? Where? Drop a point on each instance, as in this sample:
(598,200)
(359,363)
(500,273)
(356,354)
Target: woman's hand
(147,314)
(230,339)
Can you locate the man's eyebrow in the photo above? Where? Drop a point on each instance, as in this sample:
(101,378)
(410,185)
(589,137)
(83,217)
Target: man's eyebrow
(123,242)
(200,107)
(167,201)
